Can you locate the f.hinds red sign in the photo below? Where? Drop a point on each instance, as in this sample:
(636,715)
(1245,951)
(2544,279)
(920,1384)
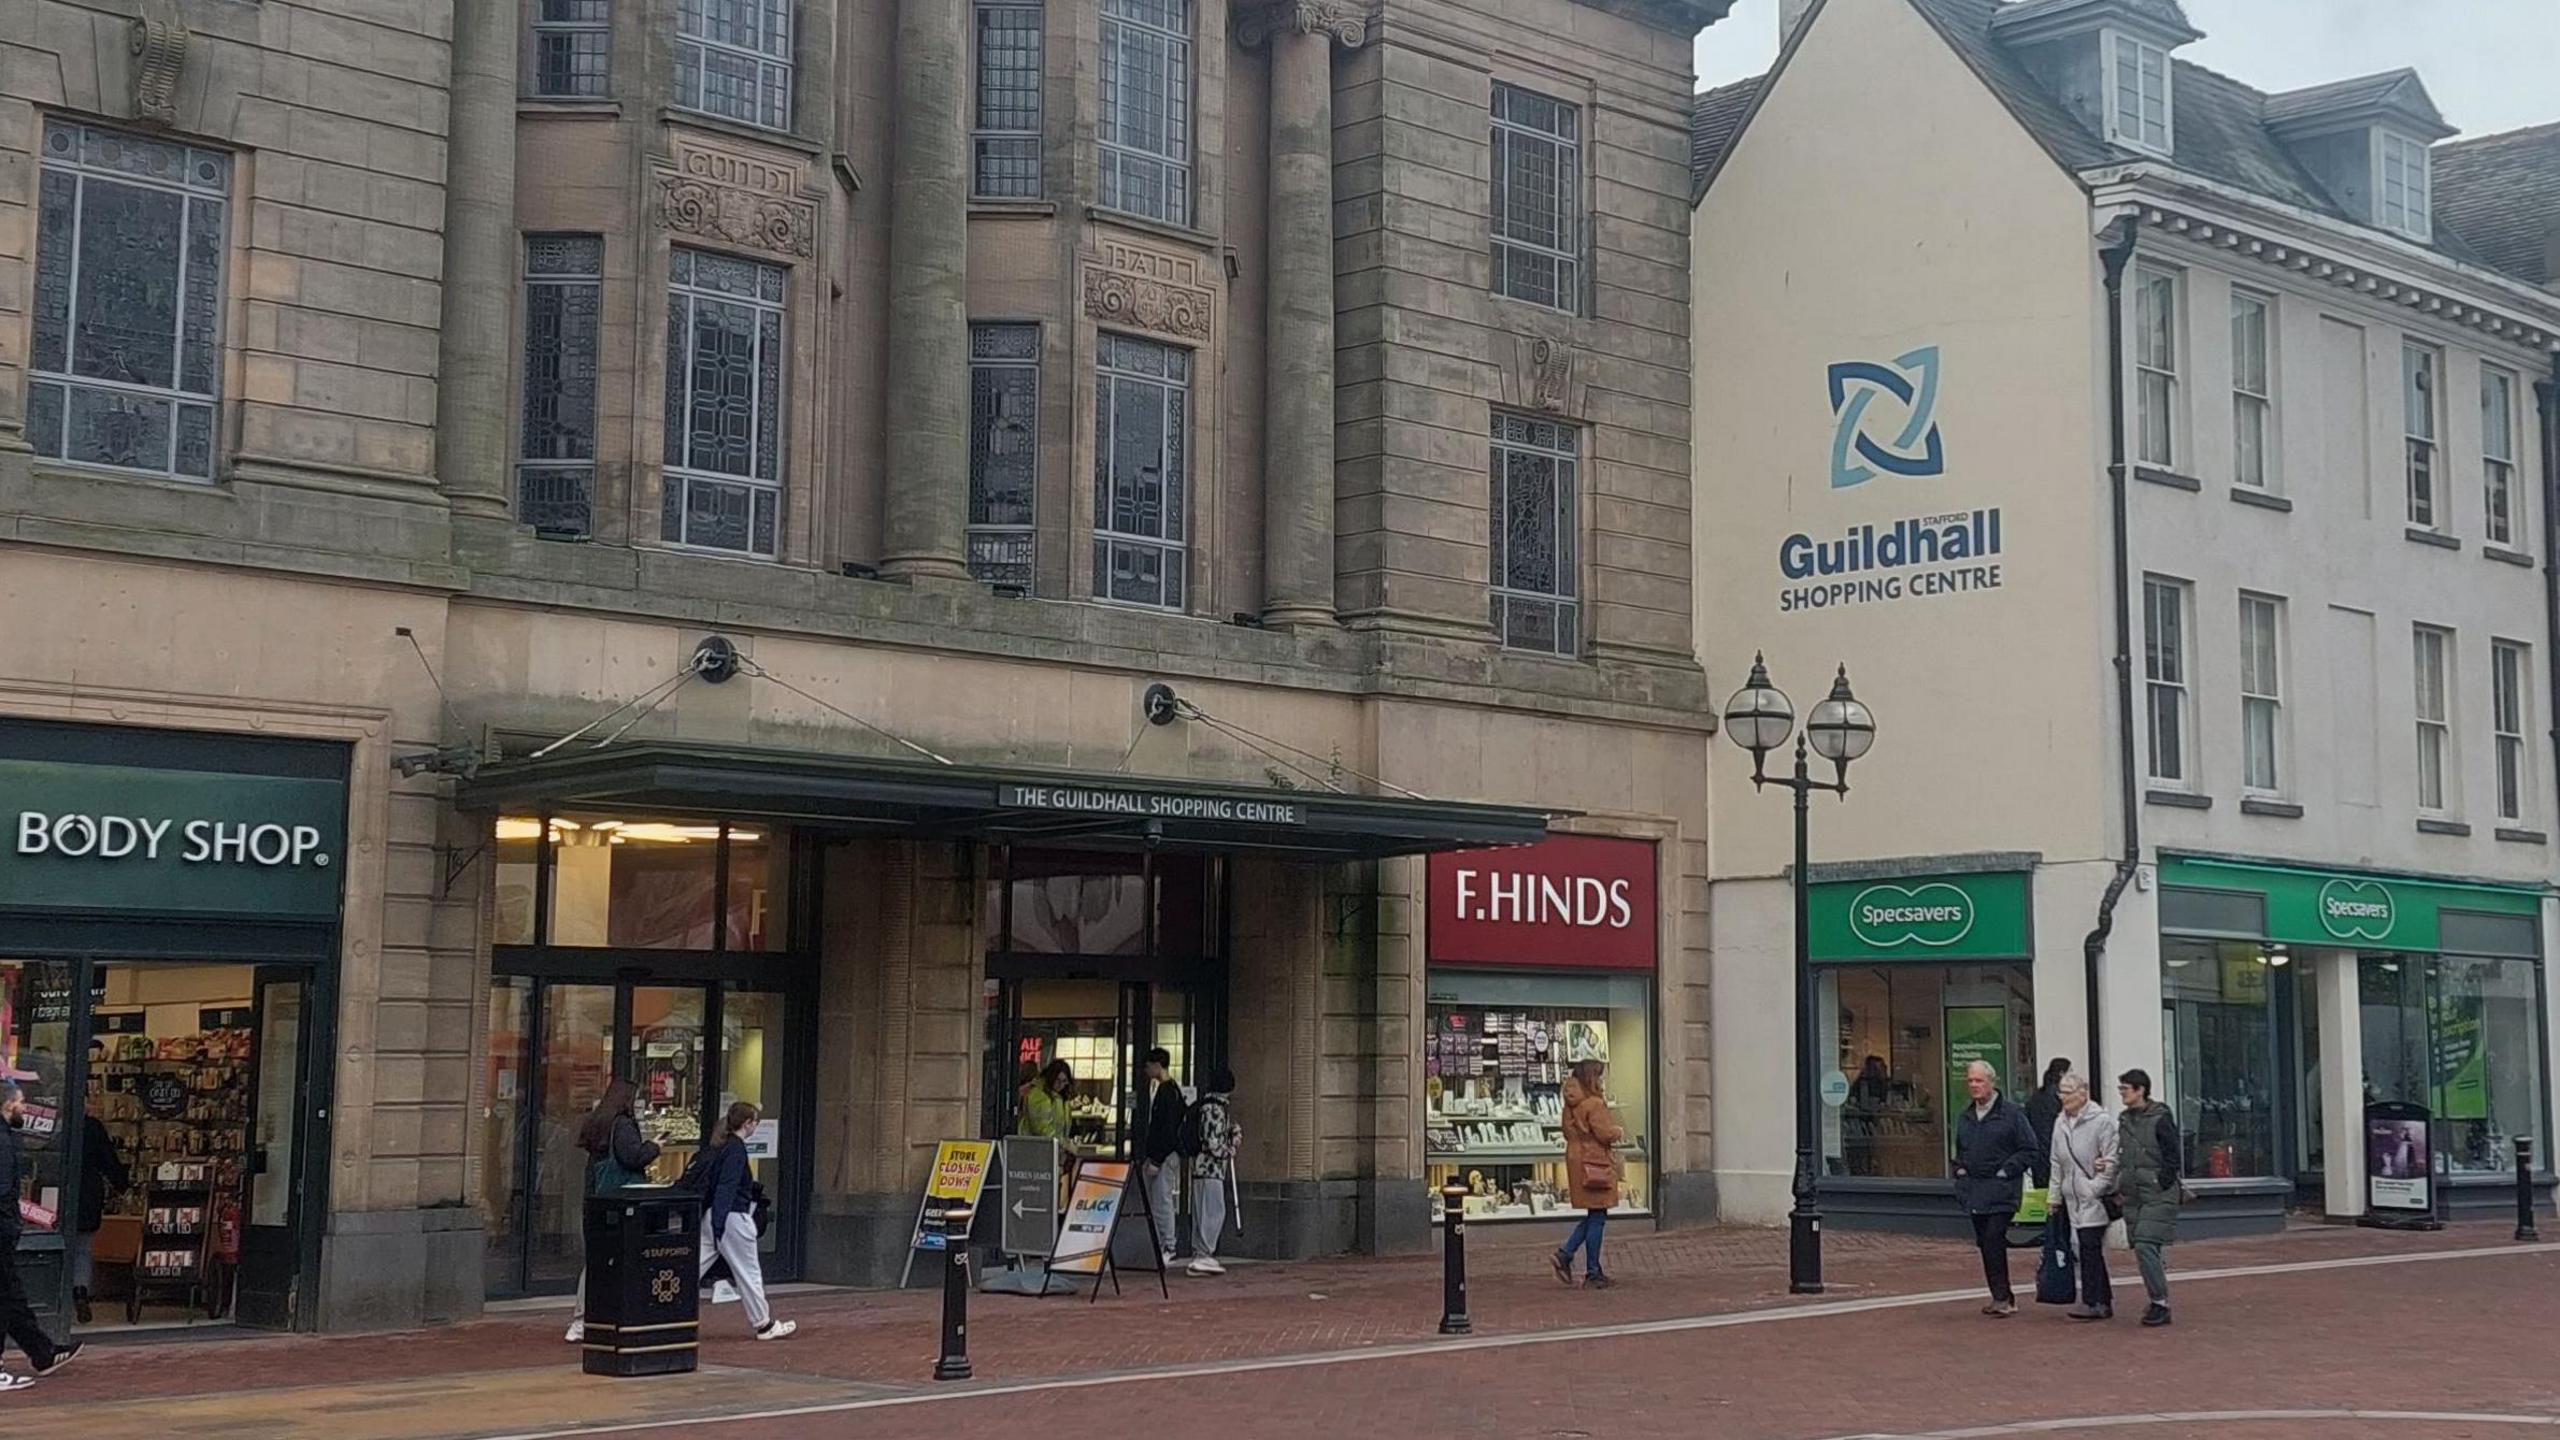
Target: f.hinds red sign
(1581,901)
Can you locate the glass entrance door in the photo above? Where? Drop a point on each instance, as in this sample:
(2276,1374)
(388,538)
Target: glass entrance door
(270,1248)
(573,1060)
(689,1049)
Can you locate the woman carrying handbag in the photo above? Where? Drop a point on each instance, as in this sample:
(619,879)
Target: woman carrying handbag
(1591,1135)
(2084,1191)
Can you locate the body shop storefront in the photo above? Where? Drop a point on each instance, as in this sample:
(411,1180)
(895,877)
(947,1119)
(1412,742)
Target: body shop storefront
(2293,997)
(169,920)
(1916,976)
(1539,958)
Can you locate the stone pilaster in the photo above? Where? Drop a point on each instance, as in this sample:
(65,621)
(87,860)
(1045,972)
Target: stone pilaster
(472,455)
(925,517)
(1298,523)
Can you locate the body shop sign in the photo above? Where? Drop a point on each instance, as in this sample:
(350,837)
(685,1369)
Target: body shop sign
(124,838)
(1570,901)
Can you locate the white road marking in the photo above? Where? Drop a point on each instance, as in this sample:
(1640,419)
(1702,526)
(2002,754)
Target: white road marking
(1817,1310)
(2208,1417)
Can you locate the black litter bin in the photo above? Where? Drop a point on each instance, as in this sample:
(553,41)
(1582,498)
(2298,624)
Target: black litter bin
(643,1256)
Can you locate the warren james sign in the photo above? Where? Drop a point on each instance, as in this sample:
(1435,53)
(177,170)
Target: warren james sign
(1151,804)
(79,837)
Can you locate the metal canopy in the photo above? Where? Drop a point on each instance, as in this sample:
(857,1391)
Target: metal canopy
(909,799)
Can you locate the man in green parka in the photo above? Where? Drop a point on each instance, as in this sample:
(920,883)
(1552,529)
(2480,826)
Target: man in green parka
(2148,1152)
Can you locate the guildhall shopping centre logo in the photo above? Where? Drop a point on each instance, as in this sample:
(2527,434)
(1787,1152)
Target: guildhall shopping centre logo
(1911,382)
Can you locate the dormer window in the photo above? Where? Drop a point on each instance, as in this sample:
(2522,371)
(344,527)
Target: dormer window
(2406,205)
(2139,114)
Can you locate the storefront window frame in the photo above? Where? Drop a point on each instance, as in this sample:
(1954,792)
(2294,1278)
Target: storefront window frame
(2016,1085)
(797,936)
(1649,1139)
(2226,883)
(791,971)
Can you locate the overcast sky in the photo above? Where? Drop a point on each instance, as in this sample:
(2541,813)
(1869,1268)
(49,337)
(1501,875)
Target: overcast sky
(2490,64)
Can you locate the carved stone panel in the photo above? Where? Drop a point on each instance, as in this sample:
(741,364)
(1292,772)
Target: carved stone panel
(159,57)
(1129,287)
(738,200)
(1544,375)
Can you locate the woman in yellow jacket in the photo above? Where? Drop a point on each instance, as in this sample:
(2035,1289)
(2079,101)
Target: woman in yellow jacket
(1591,1135)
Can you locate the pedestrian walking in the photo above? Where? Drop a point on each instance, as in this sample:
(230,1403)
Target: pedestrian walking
(617,1155)
(1211,1141)
(17,1317)
(1591,1135)
(102,1169)
(2041,1109)
(1995,1148)
(729,1217)
(2149,1175)
(1160,1145)
(2082,1153)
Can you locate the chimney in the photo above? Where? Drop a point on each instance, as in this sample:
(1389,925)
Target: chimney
(1790,16)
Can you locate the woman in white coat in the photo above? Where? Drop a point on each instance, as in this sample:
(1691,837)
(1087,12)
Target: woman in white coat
(2082,1152)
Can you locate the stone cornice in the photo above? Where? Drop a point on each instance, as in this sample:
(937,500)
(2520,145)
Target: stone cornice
(2437,288)
(1681,17)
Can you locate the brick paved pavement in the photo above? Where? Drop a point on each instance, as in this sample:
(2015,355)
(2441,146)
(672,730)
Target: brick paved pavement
(514,1374)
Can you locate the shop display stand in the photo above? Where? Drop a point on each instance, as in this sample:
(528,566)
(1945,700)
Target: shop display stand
(177,1240)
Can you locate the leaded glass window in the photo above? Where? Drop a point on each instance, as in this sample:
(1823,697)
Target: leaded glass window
(1004,446)
(724,404)
(1006,162)
(128,301)
(733,59)
(1537,199)
(1142,397)
(572,48)
(1146,108)
(556,457)
(1536,534)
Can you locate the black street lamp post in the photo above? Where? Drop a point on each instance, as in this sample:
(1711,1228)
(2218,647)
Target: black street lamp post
(1760,719)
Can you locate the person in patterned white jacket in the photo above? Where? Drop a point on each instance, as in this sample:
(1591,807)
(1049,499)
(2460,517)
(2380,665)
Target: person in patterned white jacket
(1213,1170)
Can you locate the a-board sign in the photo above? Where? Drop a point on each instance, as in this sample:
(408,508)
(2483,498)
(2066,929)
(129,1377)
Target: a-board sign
(1029,1195)
(1084,1235)
(959,1173)
(2399,1160)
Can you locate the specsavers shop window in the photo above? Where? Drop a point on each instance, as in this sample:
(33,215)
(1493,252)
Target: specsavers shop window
(1897,1025)
(1540,958)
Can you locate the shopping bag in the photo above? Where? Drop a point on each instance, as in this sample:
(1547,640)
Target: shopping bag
(2057,1282)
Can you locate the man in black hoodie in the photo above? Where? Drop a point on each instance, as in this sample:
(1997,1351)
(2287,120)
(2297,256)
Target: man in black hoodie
(17,1317)
(1160,1144)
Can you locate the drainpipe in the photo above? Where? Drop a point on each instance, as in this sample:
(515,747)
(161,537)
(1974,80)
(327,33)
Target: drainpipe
(2115,253)
(2549,394)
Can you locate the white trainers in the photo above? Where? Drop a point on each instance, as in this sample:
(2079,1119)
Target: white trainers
(1207,1265)
(722,1293)
(778,1330)
(577,1332)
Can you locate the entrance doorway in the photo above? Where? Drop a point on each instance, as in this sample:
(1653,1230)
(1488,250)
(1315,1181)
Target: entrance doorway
(187,1205)
(690,1047)
(1095,958)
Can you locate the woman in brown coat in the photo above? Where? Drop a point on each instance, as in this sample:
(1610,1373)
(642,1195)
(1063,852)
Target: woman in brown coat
(1591,1134)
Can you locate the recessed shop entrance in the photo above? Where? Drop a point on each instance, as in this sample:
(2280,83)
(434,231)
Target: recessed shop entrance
(1095,958)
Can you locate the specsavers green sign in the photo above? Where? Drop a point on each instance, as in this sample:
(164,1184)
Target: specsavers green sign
(132,840)
(2362,912)
(1928,917)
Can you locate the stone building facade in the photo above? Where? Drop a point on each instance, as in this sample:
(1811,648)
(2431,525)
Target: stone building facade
(939,458)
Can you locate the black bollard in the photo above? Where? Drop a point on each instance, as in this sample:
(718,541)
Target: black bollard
(1453,1255)
(2524,1189)
(954,1364)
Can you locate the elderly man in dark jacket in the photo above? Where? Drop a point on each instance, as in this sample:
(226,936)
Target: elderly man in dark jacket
(1995,1148)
